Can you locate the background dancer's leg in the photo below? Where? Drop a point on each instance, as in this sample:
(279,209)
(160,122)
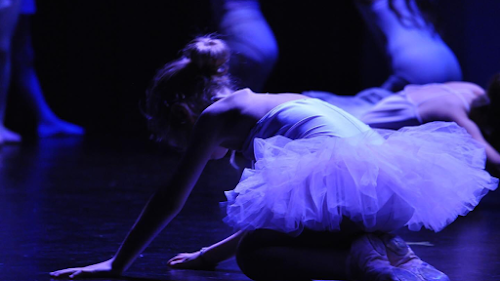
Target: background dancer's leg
(246,31)
(415,51)
(9,16)
(27,83)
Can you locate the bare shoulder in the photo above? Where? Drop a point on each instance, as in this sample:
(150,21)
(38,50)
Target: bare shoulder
(240,104)
(218,120)
(245,105)
(233,117)
(445,108)
(228,106)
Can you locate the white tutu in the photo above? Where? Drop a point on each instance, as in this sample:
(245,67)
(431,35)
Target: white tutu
(380,179)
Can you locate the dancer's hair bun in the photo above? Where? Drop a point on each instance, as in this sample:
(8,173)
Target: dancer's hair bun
(210,55)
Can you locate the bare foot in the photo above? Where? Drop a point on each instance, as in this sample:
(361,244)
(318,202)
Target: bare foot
(59,127)
(8,136)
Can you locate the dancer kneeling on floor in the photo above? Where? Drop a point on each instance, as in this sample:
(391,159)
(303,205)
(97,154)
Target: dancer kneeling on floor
(322,178)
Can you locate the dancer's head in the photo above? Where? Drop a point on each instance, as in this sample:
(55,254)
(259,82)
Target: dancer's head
(182,89)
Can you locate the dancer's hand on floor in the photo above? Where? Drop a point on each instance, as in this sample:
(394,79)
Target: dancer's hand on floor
(189,261)
(103,269)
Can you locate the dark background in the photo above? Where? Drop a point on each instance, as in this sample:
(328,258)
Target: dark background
(70,202)
(95,57)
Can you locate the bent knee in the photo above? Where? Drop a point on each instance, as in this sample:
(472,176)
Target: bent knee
(247,257)
(252,257)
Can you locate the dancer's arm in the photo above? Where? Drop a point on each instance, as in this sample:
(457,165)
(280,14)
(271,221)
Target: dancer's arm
(163,206)
(464,121)
(212,255)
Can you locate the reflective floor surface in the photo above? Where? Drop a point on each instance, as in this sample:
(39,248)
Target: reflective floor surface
(69,202)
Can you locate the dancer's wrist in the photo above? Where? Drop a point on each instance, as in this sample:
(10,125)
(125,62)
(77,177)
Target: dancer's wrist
(207,262)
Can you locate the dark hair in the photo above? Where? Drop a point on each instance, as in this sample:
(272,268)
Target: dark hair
(191,82)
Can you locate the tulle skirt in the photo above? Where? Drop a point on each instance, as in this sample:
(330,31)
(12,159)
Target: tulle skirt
(381,180)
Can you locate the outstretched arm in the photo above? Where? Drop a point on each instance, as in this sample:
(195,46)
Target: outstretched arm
(211,256)
(163,206)
(492,155)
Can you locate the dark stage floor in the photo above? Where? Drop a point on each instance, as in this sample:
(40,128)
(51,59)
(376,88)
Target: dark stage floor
(70,202)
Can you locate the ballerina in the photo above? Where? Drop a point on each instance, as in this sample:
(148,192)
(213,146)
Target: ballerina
(319,172)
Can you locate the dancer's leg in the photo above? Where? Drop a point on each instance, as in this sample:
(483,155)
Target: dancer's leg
(415,51)
(26,80)
(9,13)
(270,255)
(250,38)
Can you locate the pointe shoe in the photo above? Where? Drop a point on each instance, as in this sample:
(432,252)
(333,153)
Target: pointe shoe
(402,256)
(59,128)
(368,261)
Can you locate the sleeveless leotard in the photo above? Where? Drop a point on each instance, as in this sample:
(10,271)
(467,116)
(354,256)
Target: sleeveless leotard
(303,118)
